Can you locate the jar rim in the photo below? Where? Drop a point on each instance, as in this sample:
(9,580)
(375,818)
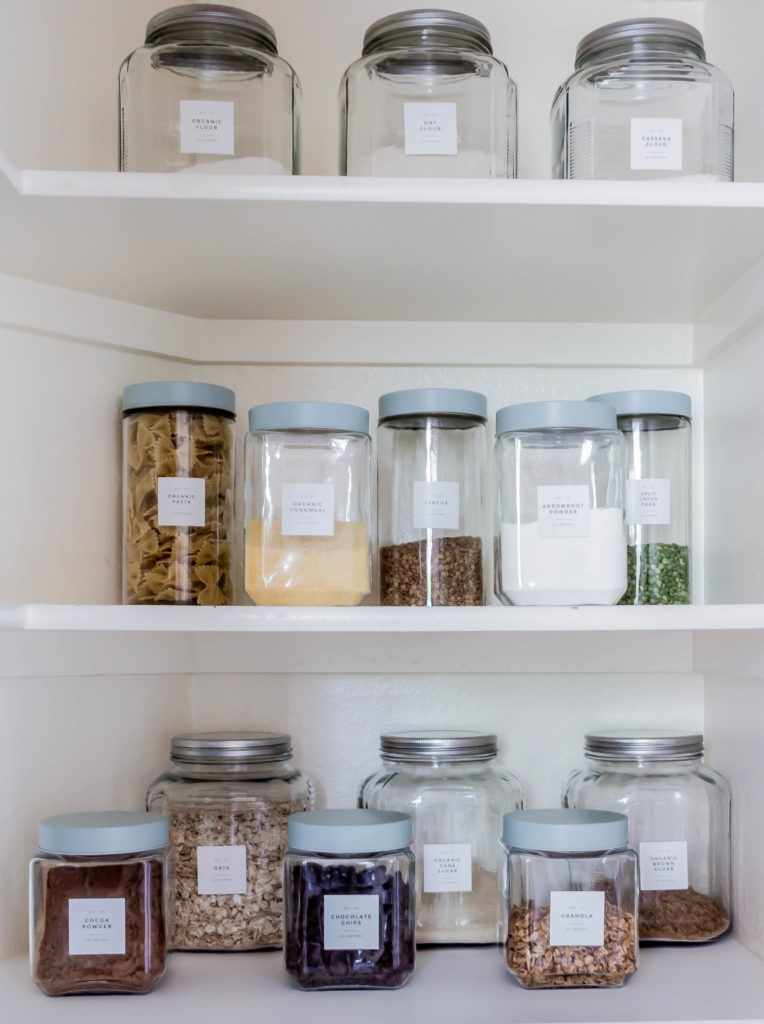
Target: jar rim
(422,746)
(210,23)
(427,28)
(217,748)
(643,744)
(643,35)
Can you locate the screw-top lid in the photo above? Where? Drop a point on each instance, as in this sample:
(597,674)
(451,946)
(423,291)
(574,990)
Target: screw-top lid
(640,35)
(555,416)
(643,744)
(103,833)
(178,394)
(438,744)
(565,831)
(210,23)
(349,831)
(427,28)
(647,402)
(230,747)
(309,416)
(433,402)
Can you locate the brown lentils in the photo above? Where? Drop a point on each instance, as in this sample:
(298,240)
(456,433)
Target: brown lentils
(440,571)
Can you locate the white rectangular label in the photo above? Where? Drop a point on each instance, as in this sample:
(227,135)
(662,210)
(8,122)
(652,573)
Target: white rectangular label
(436,505)
(429,128)
(563,510)
(206,126)
(351,922)
(663,866)
(221,870)
(656,143)
(648,502)
(307,510)
(447,867)
(181,501)
(577,919)
(97,927)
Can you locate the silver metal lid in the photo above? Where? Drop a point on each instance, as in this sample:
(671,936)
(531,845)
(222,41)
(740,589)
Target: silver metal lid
(642,35)
(438,744)
(643,744)
(427,28)
(230,747)
(210,23)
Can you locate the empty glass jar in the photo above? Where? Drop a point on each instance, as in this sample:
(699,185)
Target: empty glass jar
(428,99)
(643,103)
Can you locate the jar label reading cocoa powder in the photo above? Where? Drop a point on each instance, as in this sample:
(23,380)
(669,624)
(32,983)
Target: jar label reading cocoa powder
(436,505)
(221,870)
(180,501)
(447,867)
(351,922)
(663,866)
(96,927)
(307,510)
(563,510)
(577,919)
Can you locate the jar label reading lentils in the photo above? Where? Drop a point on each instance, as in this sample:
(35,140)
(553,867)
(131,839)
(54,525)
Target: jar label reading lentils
(648,502)
(430,128)
(207,126)
(97,927)
(656,143)
(563,510)
(307,510)
(576,918)
(351,922)
(436,505)
(447,867)
(663,866)
(221,870)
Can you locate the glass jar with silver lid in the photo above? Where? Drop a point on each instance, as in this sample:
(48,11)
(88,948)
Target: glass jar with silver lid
(228,796)
(450,783)
(679,824)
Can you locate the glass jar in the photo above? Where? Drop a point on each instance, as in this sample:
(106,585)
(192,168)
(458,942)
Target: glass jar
(657,428)
(177,493)
(643,104)
(431,482)
(208,92)
(228,796)
(571,899)
(561,537)
(449,782)
(428,99)
(349,899)
(97,903)
(307,504)
(679,822)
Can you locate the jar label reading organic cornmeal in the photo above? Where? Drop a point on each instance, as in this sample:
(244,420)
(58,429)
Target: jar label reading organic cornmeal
(351,922)
(447,867)
(576,918)
(648,502)
(207,126)
(430,129)
(180,501)
(307,510)
(221,870)
(663,866)
(97,927)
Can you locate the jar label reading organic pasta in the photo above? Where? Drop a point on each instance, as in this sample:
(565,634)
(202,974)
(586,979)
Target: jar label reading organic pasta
(436,505)
(96,927)
(180,501)
(307,510)
(429,128)
(576,918)
(563,510)
(221,870)
(206,126)
(656,143)
(648,502)
(447,867)
(351,922)
(663,866)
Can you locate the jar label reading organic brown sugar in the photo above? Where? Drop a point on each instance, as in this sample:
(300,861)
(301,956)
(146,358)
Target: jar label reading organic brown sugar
(180,501)
(447,867)
(436,505)
(663,866)
(351,922)
(221,870)
(577,919)
(97,927)
(430,128)
(307,510)
(207,126)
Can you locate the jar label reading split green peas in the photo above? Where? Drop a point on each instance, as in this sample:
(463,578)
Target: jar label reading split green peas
(658,574)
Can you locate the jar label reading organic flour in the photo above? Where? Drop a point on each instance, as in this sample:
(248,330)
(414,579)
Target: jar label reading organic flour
(351,922)
(447,867)
(656,143)
(429,128)
(221,870)
(577,919)
(96,927)
(563,510)
(436,505)
(663,866)
(648,502)
(206,126)
(307,510)
(180,501)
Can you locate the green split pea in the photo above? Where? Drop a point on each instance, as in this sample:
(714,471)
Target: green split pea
(657,574)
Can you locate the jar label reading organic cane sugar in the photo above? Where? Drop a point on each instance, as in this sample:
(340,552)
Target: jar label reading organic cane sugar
(207,126)
(648,502)
(436,505)
(576,918)
(221,870)
(351,922)
(563,510)
(447,867)
(430,128)
(97,927)
(180,501)
(307,510)
(656,143)
(663,866)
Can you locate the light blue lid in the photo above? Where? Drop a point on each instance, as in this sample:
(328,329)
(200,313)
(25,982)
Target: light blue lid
(337,416)
(178,394)
(433,402)
(349,831)
(647,403)
(95,833)
(565,831)
(555,416)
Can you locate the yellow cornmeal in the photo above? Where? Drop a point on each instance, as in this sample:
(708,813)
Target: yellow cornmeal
(307,570)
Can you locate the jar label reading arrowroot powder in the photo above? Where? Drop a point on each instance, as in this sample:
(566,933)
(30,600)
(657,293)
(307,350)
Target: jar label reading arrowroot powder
(436,505)
(447,867)
(97,927)
(576,918)
(307,510)
(563,510)
(221,870)
(351,922)
(648,502)
(663,866)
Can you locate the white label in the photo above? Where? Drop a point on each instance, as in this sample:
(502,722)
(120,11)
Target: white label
(447,867)
(96,927)
(577,919)
(181,501)
(663,866)
(206,126)
(436,505)
(429,128)
(307,510)
(648,502)
(221,870)
(563,511)
(351,922)
(656,143)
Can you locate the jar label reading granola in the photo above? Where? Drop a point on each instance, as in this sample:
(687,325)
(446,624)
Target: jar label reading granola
(96,927)
(430,128)
(307,510)
(577,919)
(221,870)
(656,143)
(351,922)
(436,505)
(207,126)
(663,866)
(563,510)
(648,502)
(180,501)
(447,867)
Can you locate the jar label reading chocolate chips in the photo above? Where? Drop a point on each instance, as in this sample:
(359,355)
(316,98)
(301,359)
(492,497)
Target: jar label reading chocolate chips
(648,502)
(447,867)
(96,927)
(351,922)
(436,505)
(430,128)
(563,510)
(221,870)
(307,510)
(576,918)
(180,501)
(207,126)
(663,866)
(656,143)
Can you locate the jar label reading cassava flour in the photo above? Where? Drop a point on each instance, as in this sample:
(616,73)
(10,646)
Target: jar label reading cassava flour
(577,919)
(656,143)
(447,867)
(563,510)
(663,866)
(436,505)
(648,502)
(206,126)
(96,927)
(429,128)
(221,870)
(307,510)
(180,501)
(351,922)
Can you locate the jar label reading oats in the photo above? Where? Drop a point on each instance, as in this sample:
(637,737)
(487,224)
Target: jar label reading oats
(447,867)
(221,870)
(563,510)
(656,143)
(307,510)
(648,502)
(663,866)
(436,505)
(351,922)
(429,128)
(576,918)
(180,501)
(96,927)
(206,126)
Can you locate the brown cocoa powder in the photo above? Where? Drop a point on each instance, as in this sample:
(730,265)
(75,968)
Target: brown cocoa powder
(681,915)
(443,571)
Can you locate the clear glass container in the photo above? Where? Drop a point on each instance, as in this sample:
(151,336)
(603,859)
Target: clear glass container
(428,99)
(307,504)
(679,823)
(431,483)
(207,92)
(561,538)
(177,486)
(657,428)
(456,793)
(349,899)
(643,104)
(97,903)
(228,796)
(572,894)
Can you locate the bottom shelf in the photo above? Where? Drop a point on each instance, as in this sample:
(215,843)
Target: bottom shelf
(722,982)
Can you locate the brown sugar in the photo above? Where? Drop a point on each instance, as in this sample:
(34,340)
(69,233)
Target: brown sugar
(681,915)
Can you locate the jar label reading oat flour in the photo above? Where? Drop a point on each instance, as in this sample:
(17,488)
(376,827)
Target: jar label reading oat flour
(447,867)
(663,866)
(436,505)
(351,922)
(221,870)
(648,502)
(96,927)
(180,501)
(429,128)
(577,919)
(307,510)
(656,143)
(206,126)
(563,510)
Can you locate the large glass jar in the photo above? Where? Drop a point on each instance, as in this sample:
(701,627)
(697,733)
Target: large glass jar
(228,796)
(177,493)
(561,537)
(208,92)
(571,899)
(657,428)
(97,903)
(428,99)
(679,823)
(456,793)
(349,899)
(307,504)
(431,483)
(643,103)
